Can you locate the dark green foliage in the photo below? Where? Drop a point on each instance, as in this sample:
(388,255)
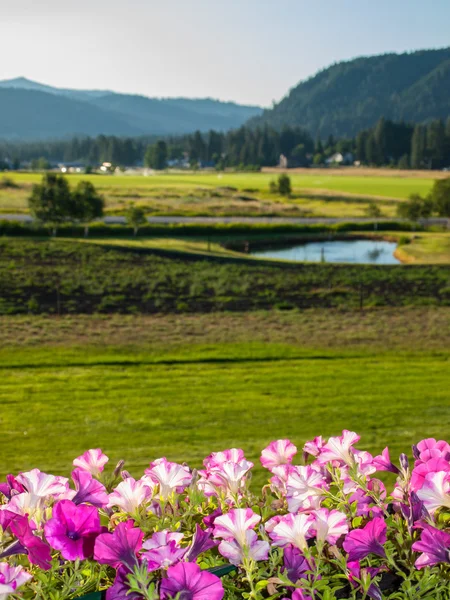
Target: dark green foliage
(135,217)
(350,96)
(51,200)
(284,185)
(89,204)
(440,196)
(223,231)
(61,277)
(156,156)
(415,208)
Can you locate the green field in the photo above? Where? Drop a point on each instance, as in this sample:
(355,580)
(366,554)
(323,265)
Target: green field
(185,386)
(72,277)
(197,194)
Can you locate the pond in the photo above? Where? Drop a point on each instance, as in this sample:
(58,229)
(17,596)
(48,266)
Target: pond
(373,252)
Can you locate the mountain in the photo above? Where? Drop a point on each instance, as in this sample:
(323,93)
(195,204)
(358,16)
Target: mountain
(31,110)
(350,96)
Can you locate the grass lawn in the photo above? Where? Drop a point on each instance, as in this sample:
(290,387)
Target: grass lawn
(315,194)
(144,387)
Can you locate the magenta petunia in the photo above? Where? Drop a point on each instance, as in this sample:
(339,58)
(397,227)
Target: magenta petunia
(201,542)
(88,489)
(120,547)
(383,462)
(435,547)
(295,564)
(73,529)
(359,543)
(191,583)
(355,573)
(37,550)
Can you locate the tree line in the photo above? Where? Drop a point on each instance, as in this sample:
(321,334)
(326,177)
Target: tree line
(388,143)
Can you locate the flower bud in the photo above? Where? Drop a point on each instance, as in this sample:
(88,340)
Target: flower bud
(118,468)
(125,475)
(416,452)
(404,462)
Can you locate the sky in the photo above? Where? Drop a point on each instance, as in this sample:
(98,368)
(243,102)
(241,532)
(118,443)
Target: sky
(248,51)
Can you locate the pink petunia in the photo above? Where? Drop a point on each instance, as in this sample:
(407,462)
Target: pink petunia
(370,539)
(251,548)
(171,477)
(12,578)
(93,461)
(235,524)
(130,494)
(280,452)
(42,484)
(435,492)
(163,550)
(305,488)
(339,449)
(430,448)
(329,525)
(292,530)
(215,459)
(191,583)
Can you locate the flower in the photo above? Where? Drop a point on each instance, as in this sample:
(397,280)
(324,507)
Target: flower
(329,525)
(120,547)
(170,476)
(201,542)
(11,485)
(120,590)
(163,549)
(188,580)
(11,578)
(434,545)
(435,491)
(251,548)
(278,453)
(130,494)
(37,550)
(215,459)
(359,543)
(88,489)
(419,473)
(304,488)
(235,524)
(42,485)
(231,475)
(383,462)
(93,461)
(356,574)
(339,449)
(292,529)
(430,448)
(72,529)
(295,564)
(314,446)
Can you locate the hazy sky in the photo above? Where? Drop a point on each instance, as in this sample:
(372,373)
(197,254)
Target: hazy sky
(250,51)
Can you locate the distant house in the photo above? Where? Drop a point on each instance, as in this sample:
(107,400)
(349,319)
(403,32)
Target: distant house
(340,159)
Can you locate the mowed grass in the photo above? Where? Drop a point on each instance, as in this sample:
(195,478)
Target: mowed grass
(317,194)
(183,398)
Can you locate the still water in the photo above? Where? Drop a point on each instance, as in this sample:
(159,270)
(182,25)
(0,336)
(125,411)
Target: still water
(355,251)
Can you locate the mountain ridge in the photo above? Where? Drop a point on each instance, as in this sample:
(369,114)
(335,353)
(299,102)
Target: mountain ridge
(352,95)
(65,112)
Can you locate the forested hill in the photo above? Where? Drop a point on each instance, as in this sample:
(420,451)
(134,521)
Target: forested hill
(31,111)
(350,96)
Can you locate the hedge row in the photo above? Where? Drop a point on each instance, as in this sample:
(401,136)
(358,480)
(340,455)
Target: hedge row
(12,228)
